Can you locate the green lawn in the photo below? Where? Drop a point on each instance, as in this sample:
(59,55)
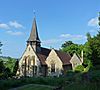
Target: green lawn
(83,86)
(34,87)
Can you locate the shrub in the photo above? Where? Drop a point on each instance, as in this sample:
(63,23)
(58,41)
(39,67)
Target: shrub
(79,68)
(12,83)
(94,76)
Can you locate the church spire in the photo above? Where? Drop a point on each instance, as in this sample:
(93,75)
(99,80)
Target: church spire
(34,40)
(34,33)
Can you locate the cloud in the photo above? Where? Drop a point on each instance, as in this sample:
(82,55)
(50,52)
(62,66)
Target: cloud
(15,24)
(15,33)
(51,41)
(64,37)
(73,37)
(93,31)
(11,25)
(4,26)
(93,22)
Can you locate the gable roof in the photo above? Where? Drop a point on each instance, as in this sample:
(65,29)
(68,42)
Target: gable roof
(74,57)
(34,33)
(43,55)
(65,58)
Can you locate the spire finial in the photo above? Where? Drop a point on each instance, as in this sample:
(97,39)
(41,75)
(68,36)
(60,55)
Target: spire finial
(34,13)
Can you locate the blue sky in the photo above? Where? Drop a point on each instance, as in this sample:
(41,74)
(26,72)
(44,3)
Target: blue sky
(57,21)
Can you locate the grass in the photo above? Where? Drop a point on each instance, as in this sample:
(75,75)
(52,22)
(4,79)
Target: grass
(73,81)
(83,86)
(13,83)
(34,87)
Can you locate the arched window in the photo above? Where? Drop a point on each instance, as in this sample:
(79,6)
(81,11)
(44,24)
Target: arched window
(28,62)
(33,60)
(52,67)
(34,66)
(23,68)
(24,63)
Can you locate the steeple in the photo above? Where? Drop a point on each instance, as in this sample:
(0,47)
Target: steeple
(34,33)
(34,40)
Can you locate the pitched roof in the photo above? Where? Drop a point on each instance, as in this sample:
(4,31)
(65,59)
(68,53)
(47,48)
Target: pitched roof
(75,56)
(34,33)
(65,58)
(43,55)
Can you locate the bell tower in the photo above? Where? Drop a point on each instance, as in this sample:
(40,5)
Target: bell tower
(34,40)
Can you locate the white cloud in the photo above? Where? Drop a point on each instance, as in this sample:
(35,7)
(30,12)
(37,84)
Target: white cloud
(15,24)
(14,33)
(51,41)
(93,22)
(4,26)
(11,25)
(64,37)
(73,37)
(93,31)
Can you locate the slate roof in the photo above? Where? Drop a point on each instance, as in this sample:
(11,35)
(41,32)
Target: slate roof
(65,58)
(34,33)
(43,55)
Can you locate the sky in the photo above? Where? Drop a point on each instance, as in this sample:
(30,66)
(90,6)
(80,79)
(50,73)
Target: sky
(57,21)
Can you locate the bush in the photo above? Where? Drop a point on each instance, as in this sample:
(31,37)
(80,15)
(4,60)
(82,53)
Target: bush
(94,76)
(79,68)
(12,83)
(70,75)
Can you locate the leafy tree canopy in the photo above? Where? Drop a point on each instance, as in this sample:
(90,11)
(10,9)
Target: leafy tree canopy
(72,48)
(66,44)
(94,44)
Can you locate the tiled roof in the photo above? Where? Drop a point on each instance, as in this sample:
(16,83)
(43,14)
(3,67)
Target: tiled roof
(43,55)
(65,58)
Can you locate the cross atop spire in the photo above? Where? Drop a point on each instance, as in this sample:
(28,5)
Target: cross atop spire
(34,33)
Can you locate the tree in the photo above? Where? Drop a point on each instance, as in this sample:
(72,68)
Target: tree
(88,36)
(99,19)
(94,46)
(15,67)
(67,43)
(5,72)
(2,69)
(92,49)
(94,43)
(10,63)
(0,46)
(71,48)
(79,68)
(77,48)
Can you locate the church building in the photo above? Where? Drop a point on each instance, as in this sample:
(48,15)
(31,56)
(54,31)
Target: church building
(41,61)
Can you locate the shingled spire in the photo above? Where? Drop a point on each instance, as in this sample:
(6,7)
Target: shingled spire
(34,33)
(34,37)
